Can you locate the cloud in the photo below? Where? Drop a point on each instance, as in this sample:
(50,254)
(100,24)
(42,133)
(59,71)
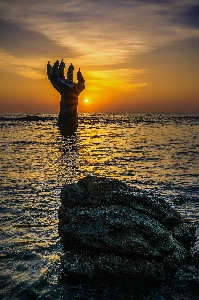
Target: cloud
(21,41)
(190,17)
(122,79)
(18,67)
(94,33)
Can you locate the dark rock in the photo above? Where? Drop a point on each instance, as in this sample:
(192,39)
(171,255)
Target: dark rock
(180,200)
(109,233)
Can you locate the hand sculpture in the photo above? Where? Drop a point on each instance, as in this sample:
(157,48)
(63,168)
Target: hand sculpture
(69,91)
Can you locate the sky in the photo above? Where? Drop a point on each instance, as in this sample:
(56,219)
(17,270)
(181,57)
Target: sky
(135,56)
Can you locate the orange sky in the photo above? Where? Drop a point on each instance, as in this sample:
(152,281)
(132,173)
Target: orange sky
(134,56)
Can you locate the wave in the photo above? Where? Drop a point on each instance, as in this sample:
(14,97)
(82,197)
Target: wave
(27,118)
(109,118)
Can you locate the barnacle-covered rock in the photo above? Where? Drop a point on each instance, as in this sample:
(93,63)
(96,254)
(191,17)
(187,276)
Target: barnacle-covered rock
(110,233)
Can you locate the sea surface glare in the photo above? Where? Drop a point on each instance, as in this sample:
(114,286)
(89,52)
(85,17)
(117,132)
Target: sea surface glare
(158,154)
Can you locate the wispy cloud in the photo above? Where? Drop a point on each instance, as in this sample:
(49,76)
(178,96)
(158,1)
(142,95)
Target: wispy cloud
(101,31)
(189,16)
(95,33)
(18,67)
(122,79)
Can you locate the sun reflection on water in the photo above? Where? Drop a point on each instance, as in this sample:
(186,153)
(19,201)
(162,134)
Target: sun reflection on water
(148,153)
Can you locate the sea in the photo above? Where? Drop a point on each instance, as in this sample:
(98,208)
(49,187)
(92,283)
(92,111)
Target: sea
(157,154)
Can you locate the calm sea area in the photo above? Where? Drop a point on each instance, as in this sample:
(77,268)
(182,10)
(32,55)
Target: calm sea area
(158,154)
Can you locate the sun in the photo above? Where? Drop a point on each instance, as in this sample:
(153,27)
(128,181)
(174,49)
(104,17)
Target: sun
(86,101)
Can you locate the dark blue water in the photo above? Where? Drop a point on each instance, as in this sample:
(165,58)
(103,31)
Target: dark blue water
(157,154)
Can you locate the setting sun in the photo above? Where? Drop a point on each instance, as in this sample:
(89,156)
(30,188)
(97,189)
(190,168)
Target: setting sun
(86,100)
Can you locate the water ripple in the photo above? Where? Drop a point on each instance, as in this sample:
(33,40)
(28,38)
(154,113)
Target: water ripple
(156,154)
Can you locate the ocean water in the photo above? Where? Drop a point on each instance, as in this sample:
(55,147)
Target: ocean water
(158,154)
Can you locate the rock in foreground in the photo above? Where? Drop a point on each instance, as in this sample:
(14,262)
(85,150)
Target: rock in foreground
(112,235)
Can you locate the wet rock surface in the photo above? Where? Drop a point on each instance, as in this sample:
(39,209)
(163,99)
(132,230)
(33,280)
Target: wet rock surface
(113,236)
